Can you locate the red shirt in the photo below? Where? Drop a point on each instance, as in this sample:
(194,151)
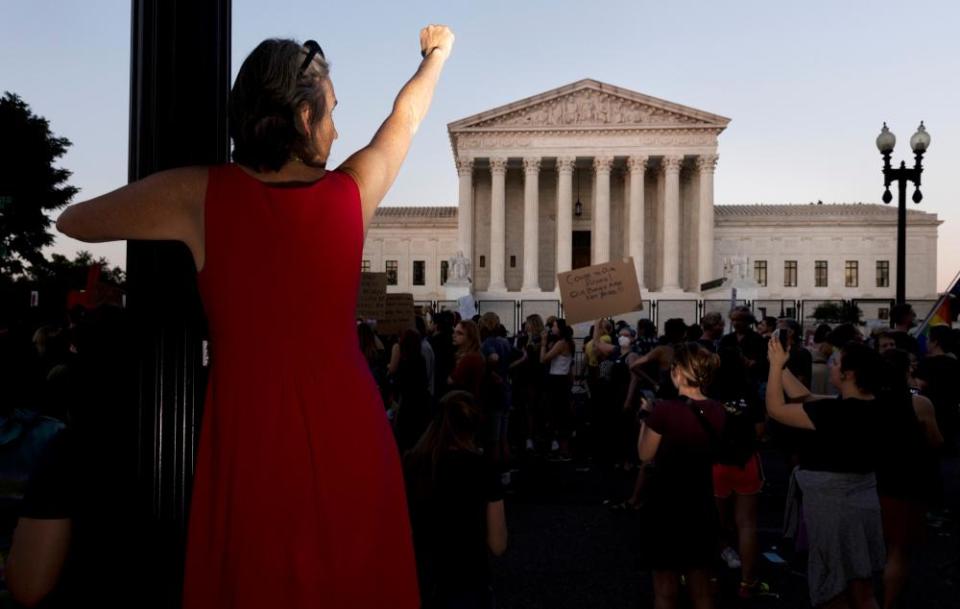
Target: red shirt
(468,373)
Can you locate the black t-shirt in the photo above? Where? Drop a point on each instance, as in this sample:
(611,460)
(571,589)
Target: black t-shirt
(910,470)
(941,373)
(800,364)
(53,493)
(753,347)
(849,437)
(444,358)
(531,370)
(906,342)
(448,512)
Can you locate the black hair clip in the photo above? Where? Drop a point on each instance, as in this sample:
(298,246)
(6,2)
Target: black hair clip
(312,49)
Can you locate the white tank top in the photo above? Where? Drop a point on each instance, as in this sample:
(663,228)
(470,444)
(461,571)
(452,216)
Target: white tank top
(560,365)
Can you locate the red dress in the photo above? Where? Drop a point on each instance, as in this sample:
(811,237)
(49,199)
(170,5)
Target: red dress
(298,499)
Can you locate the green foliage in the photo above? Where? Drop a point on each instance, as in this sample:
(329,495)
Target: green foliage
(838,312)
(73,273)
(30,185)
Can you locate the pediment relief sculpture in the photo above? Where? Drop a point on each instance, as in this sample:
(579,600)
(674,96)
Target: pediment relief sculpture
(589,108)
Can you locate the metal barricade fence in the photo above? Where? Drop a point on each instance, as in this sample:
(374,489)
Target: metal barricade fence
(543,308)
(687,310)
(513,313)
(506,310)
(876,311)
(633,317)
(719,306)
(922,307)
(775,308)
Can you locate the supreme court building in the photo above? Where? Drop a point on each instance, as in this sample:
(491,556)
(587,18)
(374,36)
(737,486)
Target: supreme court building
(590,172)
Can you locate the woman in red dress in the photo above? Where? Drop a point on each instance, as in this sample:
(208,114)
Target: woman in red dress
(298,496)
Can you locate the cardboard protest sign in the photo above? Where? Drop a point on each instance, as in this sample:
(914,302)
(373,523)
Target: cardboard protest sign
(398,315)
(372,298)
(601,290)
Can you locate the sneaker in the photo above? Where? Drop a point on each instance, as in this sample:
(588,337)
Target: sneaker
(529,444)
(730,556)
(757,589)
(554,446)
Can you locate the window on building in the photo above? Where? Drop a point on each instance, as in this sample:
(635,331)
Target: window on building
(419,272)
(883,313)
(391,267)
(883,273)
(364,266)
(760,272)
(790,274)
(851,274)
(820,274)
(444,271)
(513,262)
(483,261)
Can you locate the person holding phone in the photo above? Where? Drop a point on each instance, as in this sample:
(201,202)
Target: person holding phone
(837,471)
(298,497)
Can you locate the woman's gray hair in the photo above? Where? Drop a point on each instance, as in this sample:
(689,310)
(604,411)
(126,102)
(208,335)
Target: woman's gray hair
(265,104)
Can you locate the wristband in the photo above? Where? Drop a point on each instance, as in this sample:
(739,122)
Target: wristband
(424,53)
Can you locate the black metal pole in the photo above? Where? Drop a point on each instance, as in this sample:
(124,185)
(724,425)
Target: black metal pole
(179,83)
(902,240)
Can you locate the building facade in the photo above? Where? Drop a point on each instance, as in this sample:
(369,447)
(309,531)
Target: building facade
(796,252)
(589,173)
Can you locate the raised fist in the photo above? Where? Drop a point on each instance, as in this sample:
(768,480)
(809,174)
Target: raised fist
(437,37)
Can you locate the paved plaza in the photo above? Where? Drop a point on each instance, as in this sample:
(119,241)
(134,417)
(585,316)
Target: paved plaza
(569,551)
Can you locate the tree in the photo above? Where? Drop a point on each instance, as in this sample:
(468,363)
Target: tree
(73,273)
(838,312)
(30,185)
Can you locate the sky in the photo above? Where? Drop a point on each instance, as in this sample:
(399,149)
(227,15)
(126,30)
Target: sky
(807,84)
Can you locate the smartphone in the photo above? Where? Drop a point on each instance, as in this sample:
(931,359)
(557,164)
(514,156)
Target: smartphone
(781,335)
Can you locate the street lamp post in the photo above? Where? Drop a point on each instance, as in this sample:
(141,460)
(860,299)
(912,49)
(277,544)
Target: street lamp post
(901,175)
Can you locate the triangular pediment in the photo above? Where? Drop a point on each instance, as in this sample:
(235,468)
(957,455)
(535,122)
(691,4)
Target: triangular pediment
(588,104)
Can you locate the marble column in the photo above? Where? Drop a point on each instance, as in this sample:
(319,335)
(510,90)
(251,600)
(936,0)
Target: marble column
(601,209)
(465,209)
(671,223)
(637,166)
(565,213)
(531,224)
(498,201)
(707,165)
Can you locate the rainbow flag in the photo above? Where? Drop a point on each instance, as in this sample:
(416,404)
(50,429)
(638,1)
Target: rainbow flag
(943,313)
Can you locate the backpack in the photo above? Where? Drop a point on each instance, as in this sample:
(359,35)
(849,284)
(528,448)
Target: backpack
(734,445)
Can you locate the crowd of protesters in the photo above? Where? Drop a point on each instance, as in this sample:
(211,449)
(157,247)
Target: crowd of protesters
(861,421)
(65,415)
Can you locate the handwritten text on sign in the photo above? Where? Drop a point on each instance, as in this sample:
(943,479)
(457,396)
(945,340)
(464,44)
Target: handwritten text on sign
(599,291)
(373,295)
(398,315)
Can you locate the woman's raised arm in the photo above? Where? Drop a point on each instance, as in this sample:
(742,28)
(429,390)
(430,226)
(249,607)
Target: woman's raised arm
(375,167)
